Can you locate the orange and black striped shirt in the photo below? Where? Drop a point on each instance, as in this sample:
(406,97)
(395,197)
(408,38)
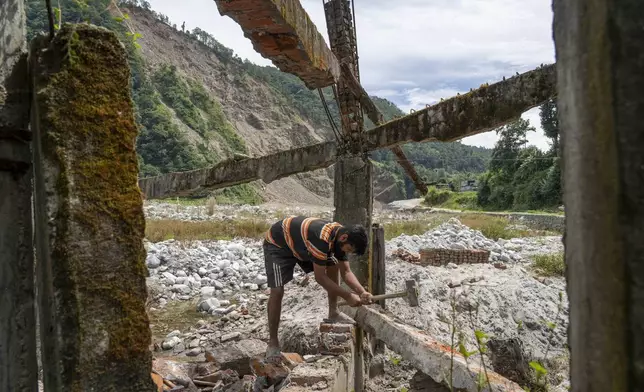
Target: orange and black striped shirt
(309,239)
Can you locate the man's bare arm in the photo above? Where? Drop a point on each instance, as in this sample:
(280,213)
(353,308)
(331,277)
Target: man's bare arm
(350,279)
(332,287)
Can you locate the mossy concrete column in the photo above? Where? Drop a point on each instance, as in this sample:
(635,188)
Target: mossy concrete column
(89,215)
(600,73)
(18,365)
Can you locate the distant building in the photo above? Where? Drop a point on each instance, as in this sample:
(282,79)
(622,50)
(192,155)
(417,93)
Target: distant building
(468,185)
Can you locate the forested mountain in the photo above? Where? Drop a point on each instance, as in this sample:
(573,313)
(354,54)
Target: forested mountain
(197,103)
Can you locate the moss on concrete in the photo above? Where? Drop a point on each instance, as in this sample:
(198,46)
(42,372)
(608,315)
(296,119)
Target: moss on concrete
(98,259)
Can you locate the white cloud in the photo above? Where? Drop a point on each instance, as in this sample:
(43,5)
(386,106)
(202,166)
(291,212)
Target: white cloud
(414,52)
(536,138)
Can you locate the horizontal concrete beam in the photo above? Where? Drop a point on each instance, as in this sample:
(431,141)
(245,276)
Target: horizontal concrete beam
(267,168)
(428,355)
(282,31)
(478,111)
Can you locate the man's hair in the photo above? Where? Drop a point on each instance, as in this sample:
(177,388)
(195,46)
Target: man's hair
(357,236)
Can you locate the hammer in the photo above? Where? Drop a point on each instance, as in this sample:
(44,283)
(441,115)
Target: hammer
(411,293)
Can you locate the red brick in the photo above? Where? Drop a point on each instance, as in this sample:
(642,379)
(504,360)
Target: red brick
(283,32)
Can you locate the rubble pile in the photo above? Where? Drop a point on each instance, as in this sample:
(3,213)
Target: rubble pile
(455,235)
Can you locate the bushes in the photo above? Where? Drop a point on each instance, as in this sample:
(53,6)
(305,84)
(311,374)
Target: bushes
(436,197)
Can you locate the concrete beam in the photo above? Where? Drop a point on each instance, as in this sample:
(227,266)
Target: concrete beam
(428,355)
(267,168)
(18,363)
(88,215)
(481,110)
(282,31)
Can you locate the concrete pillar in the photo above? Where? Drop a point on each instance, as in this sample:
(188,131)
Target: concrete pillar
(18,365)
(353,200)
(89,215)
(600,73)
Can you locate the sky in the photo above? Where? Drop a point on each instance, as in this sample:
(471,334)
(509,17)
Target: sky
(415,52)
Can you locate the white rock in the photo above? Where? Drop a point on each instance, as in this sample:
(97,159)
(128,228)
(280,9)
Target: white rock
(225,310)
(181,289)
(260,279)
(194,352)
(203,271)
(193,343)
(152,261)
(218,285)
(452,266)
(254,287)
(207,292)
(209,304)
(230,336)
(169,277)
(181,273)
(174,333)
(170,343)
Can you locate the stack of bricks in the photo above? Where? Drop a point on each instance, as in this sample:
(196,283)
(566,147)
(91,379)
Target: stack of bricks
(335,339)
(439,257)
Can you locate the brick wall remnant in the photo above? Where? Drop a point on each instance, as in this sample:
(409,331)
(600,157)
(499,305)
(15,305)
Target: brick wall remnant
(89,215)
(335,339)
(440,257)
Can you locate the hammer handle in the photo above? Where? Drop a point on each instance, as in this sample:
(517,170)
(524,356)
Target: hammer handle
(381,296)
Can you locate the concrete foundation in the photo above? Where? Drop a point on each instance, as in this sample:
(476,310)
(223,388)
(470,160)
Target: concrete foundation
(335,371)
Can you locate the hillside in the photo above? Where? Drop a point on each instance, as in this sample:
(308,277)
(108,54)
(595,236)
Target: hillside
(198,103)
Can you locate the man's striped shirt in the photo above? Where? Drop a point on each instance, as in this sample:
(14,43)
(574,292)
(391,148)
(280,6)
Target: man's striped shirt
(307,238)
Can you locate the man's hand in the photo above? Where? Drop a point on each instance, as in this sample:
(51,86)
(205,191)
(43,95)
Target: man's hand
(366,297)
(353,300)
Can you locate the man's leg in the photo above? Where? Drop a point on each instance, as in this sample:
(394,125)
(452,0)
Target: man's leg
(335,315)
(274,314)
(279,271)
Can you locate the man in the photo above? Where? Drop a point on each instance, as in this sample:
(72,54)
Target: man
(317,246)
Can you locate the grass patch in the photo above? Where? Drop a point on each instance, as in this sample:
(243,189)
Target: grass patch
(495,227)
(552,264)
(394,229)
(161,230)
(238,194)
(175,315)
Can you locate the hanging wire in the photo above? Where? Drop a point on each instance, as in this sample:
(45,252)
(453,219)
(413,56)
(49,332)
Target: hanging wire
(334,127)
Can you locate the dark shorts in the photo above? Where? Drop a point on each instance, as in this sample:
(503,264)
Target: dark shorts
(280,265)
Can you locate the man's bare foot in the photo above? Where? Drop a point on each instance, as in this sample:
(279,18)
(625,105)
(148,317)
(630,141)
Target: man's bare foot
(339,318)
